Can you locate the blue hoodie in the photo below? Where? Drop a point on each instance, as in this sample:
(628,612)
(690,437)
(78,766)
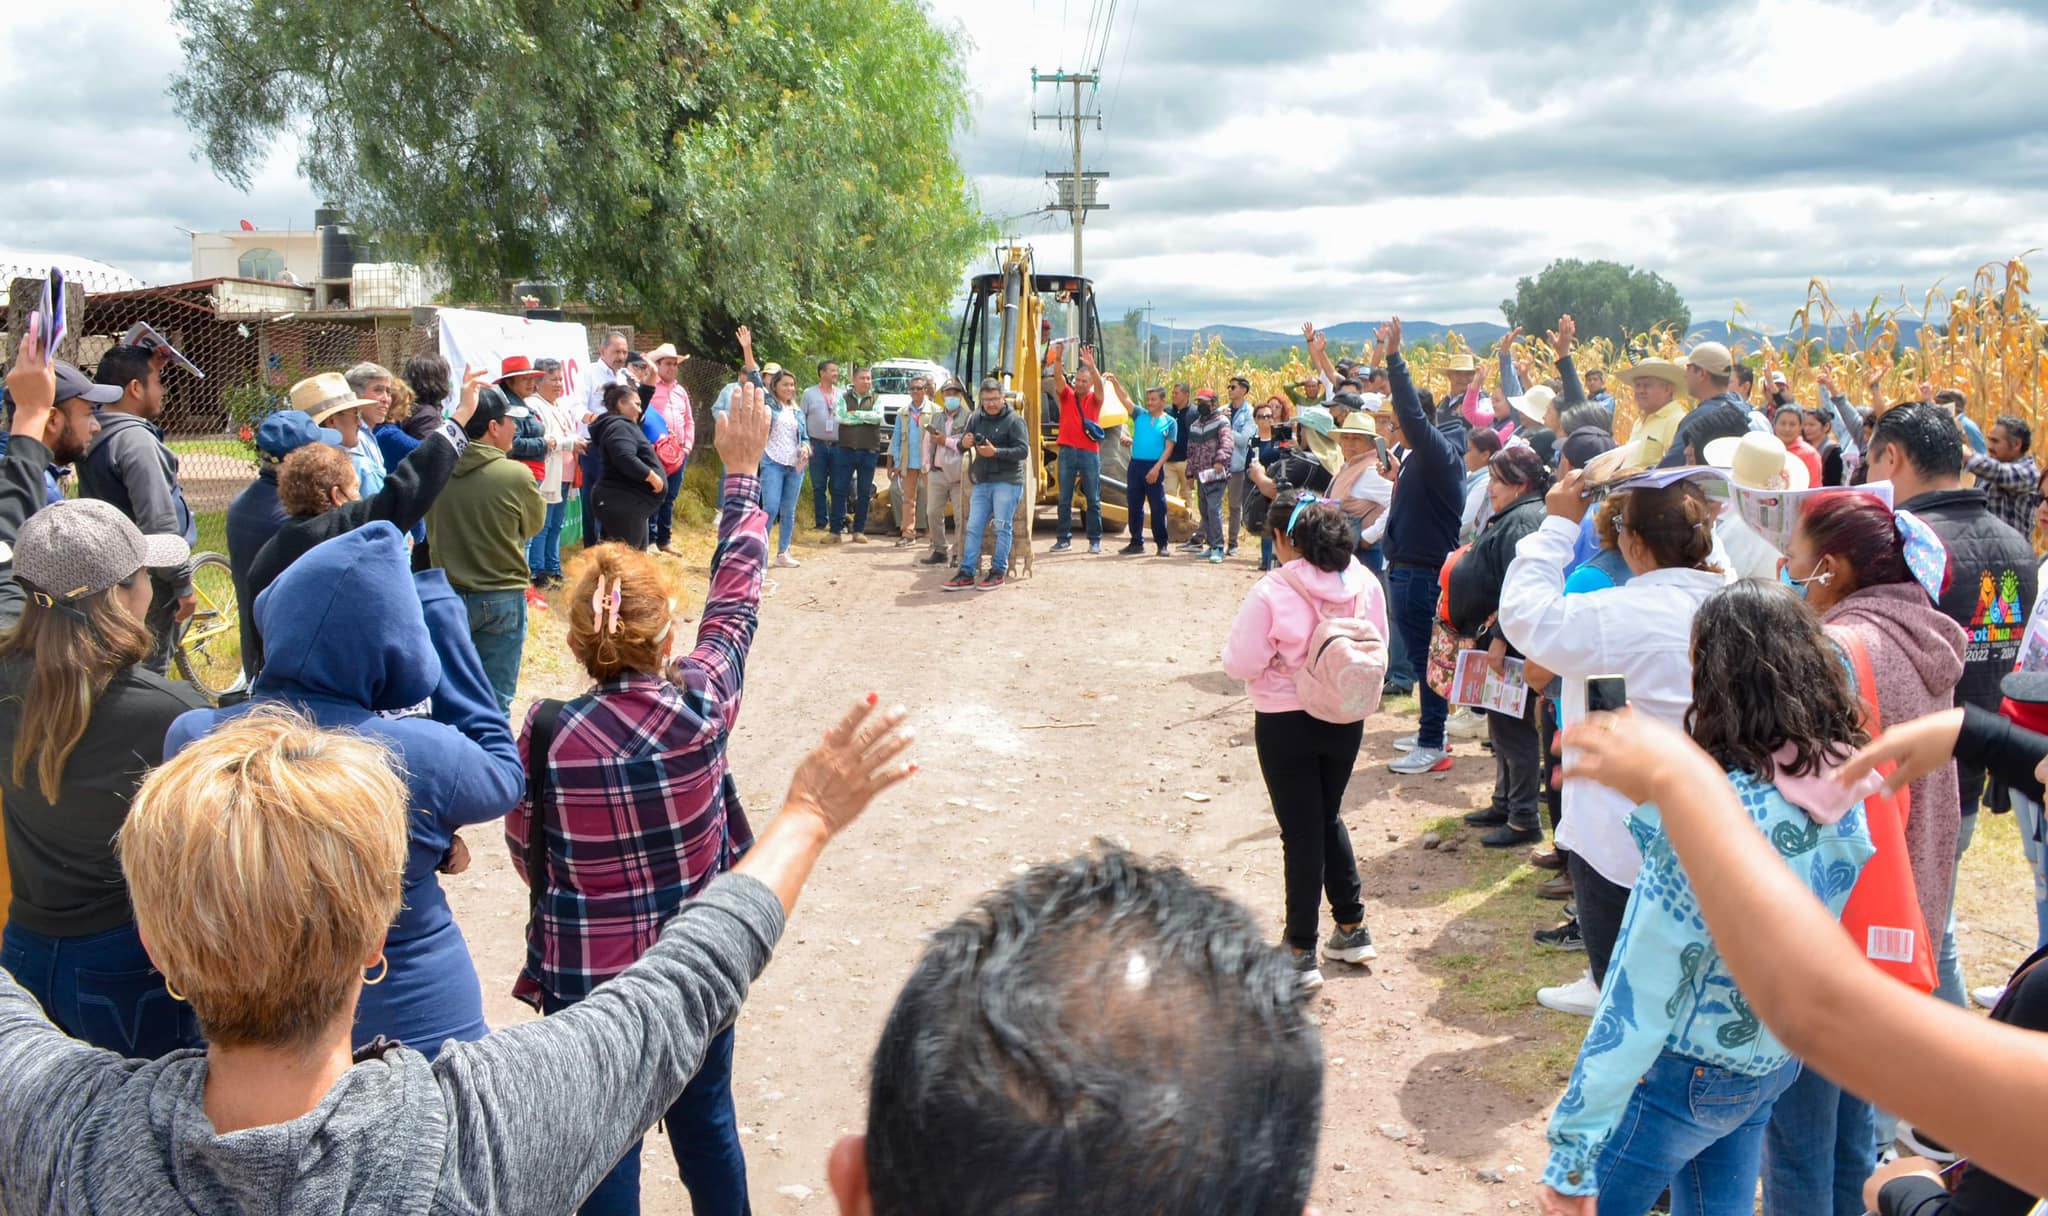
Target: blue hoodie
(352,634)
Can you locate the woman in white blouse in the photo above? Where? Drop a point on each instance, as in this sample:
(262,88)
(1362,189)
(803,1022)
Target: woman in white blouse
(559,423)
(1641,632)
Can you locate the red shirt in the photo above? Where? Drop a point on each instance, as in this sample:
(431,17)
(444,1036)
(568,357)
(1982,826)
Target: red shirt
(1071,434)
(1808,456)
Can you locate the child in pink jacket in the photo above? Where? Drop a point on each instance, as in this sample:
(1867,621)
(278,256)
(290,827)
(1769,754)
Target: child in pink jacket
(1306,762)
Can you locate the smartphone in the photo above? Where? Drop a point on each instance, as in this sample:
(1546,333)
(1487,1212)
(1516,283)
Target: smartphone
(1380,446)
(1606,694)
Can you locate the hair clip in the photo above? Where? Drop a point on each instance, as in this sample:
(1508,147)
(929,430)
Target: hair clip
(600,602)
(1307,498)
(1926,556)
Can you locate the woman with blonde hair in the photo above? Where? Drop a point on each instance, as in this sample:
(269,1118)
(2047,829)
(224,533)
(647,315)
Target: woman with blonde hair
(265,863)
(631,810)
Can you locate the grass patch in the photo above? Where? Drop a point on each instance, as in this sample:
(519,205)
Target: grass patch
(1994,902)
(1490,970)
(232,449)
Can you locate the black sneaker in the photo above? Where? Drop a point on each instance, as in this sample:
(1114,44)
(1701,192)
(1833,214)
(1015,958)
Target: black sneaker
(1306,973)
(962,581)
(1491,817)
(1508,836)
(1353,945)
(1061,546)
(934,559)
(1133,549)
(993,582)
(1565,937)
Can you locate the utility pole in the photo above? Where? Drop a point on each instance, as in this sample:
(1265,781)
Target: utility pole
(1169,342)
(1077,190)
(1145,349)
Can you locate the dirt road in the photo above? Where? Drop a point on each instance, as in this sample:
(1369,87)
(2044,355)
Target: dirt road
(1095,708)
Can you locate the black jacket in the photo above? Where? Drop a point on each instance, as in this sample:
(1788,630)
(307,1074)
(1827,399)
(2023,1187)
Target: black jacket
(628,457)
(1429,496)
(1718,417)
(1476,579)
(253,518)
(1991,586)
(1012,443)
(408,492)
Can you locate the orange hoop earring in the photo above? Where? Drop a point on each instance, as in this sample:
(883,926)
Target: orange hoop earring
(383,962)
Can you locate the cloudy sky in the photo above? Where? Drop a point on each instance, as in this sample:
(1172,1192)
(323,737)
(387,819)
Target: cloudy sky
(1274,163)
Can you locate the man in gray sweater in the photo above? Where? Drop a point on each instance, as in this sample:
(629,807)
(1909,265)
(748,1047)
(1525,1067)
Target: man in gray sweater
(130,466)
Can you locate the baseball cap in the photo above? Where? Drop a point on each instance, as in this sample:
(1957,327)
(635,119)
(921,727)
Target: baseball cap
(1778,378)
(72,384)
(1712,358)
(286,431)
(1347,401)
(1205,394)
(493,404)
(82,546)
(1582,445)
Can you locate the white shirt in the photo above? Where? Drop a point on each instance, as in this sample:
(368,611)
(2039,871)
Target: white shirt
(554,421)
(1370,485)
(1742,550)
(1641,631)
(593,397)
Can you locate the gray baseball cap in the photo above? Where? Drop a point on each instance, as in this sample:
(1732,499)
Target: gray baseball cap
(77,548)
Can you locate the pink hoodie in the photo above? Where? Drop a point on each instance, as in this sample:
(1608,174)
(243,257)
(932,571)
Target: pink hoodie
(1269,640)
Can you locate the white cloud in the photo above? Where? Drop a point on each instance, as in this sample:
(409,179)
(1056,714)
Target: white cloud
(1340,160)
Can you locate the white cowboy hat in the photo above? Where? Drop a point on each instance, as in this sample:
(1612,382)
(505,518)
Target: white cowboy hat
(1534,404)
(1757,462)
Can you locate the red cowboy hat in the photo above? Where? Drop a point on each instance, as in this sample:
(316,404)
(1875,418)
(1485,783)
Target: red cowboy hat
(514,365)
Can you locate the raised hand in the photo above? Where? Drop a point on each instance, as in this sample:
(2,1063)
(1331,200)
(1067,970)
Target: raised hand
(746,340)
(856,761)
(473,382)
(1918,748)
(32,383)
(1388,338)
(1567,499)
(1564,335)
(1088,357)
(743,431)
(1509,339)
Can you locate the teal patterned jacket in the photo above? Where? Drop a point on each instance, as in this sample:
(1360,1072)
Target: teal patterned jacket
(1667,988)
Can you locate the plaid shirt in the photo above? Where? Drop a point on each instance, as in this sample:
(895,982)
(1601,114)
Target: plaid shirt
(2010,490)
(641,812)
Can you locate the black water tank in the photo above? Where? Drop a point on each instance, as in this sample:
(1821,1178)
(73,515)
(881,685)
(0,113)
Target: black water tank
(323,216)
(338,254)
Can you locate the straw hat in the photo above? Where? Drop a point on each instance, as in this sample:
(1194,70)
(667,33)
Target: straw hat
(666,350)
(1654,369)
(1358,422)
(1462,363)
(1534,404)
(325,395)
(1757,462)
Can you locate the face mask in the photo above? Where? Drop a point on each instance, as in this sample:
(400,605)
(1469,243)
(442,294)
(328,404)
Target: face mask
(1799,585)
(954,403)
(1208,409)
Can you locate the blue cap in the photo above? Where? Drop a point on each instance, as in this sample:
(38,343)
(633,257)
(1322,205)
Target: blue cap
(285,431)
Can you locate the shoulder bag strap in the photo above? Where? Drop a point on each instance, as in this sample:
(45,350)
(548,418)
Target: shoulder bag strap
(539,741)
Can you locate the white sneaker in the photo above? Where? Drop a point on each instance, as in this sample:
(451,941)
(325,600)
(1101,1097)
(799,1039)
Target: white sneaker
(1465,723)
(1988,996)
(784,561)
(1580,997)
(1406,743)
(1422,760)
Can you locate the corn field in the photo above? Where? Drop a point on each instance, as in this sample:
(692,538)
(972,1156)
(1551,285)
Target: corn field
(1985,339)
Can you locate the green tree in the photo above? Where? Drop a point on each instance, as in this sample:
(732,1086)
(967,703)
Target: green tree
(1605,299)
(783,163)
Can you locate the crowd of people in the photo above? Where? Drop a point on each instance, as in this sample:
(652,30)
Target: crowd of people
(230,918)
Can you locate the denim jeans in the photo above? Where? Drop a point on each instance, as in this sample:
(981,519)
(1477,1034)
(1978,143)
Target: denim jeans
(660,529)
(781,485)
(497,625)
(824,464)
(1211,497)
(1080,470)
(1139,496)
(990,502)
(1695,1128)
(544,551)
(101,990)
(703,1133)
(853,488)
(1949,967)
(2027,816)
(1412,593)
(1820,1146)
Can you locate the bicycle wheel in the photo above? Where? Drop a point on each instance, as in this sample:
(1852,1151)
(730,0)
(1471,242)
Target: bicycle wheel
(209,652)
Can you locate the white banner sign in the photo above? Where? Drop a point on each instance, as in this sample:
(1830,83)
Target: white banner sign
(484,339)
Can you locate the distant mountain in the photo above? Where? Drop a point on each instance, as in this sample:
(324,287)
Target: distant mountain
(1244,340)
